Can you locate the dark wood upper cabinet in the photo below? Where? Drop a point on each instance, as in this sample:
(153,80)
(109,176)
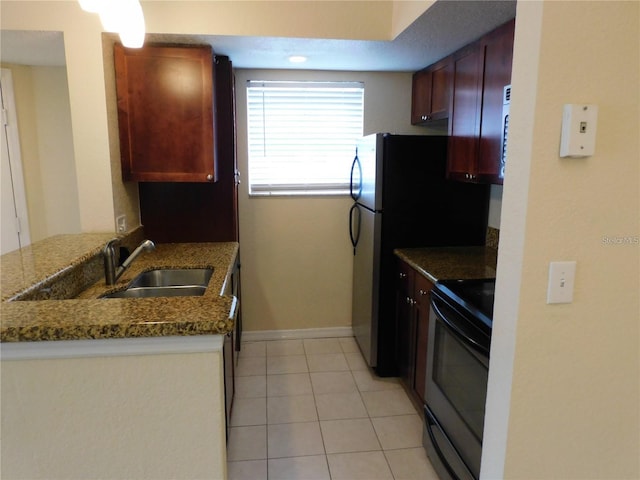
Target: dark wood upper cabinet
(481,71)
(431,89)
(174,212)
(464,122)
(497,48)
(165,113)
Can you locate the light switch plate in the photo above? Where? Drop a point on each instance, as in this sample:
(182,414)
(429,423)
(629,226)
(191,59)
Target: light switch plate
(578,130)
(561,282)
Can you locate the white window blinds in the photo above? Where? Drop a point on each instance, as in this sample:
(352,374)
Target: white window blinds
(302,136)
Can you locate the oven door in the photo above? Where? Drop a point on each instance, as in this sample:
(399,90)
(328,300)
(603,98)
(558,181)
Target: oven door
(456,390)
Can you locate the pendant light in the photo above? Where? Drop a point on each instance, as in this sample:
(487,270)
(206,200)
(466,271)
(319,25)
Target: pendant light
(124,17)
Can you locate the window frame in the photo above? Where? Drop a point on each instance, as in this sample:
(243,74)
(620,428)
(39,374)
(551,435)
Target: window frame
(331,184)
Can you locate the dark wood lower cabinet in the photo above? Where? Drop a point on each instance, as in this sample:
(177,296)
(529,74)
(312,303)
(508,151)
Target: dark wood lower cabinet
(412,327)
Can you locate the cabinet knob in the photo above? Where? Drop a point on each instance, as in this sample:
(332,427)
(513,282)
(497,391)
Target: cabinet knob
(424,117)
(409,301)
(209,177)
(423,293)
(403,275)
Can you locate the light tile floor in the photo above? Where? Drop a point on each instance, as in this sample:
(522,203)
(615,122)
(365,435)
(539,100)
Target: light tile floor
(312,410)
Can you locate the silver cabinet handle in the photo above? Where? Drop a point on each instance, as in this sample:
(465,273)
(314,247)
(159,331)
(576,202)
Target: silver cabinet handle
(423,292)
(209,177)
(403,275)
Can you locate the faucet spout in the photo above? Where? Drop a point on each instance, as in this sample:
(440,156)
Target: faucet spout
(111,272)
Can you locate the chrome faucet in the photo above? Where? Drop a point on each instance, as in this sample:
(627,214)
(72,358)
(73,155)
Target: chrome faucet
(111,271)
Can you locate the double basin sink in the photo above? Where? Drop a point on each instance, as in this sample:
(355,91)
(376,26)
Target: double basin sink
(166,282)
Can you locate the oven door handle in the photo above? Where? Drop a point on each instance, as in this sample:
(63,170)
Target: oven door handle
(457,332)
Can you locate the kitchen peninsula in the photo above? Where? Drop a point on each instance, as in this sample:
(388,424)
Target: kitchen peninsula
(112,388)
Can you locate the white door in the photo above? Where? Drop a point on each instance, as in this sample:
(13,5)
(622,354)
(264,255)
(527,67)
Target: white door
(14,228)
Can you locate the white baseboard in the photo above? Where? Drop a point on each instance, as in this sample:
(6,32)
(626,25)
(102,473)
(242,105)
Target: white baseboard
(331,332)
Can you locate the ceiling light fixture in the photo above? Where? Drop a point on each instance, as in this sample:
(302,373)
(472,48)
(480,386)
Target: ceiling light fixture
(297,59)
(91,6)
(124,17)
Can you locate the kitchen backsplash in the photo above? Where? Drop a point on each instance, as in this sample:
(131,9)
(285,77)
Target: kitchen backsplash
(493,237)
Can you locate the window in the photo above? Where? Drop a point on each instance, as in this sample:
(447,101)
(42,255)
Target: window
(302,136)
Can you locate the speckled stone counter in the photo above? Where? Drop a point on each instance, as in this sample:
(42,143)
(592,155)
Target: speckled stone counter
(85,316)
(439,263)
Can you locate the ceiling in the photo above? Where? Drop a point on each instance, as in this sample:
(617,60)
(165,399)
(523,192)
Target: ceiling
(442,29)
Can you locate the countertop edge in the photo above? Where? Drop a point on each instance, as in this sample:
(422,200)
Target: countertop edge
(416,266)
(440,263)
(174,344)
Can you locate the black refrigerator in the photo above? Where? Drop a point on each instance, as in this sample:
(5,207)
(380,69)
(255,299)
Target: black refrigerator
(402,199)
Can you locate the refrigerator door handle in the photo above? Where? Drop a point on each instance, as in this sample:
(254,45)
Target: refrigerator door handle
(356,161)
(354,233)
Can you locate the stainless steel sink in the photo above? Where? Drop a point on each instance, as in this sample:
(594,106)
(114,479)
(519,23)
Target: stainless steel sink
(167,282)
(170,291)
(169,277)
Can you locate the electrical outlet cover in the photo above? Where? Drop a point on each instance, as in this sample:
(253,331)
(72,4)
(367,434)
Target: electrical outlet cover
(121,223)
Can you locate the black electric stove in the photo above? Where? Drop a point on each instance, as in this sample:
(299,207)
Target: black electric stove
(475,296)
(460,324)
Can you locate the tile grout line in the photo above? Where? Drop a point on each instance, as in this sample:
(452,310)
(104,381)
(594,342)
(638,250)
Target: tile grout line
(315,404)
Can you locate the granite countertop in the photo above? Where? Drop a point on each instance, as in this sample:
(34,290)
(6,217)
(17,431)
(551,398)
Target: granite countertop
(440,263)
(84,316)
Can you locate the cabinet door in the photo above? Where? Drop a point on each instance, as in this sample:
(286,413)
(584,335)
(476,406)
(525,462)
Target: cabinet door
(165,113)
(174,212)
(430,94)
(422,290)
(441,89)
(465,114)
(405,325)
(421,96)
(497,49)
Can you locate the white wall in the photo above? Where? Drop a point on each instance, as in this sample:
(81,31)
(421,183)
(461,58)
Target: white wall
(44,122)
(55,147)
(297,258)
(564,380)
(117,417)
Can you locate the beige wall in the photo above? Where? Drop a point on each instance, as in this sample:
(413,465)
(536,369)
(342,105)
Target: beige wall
(564,386)
(46,145)
(86,75)
(297,258)
(141,416)
(83,51)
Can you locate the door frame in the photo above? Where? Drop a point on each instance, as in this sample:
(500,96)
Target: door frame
(12,137)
